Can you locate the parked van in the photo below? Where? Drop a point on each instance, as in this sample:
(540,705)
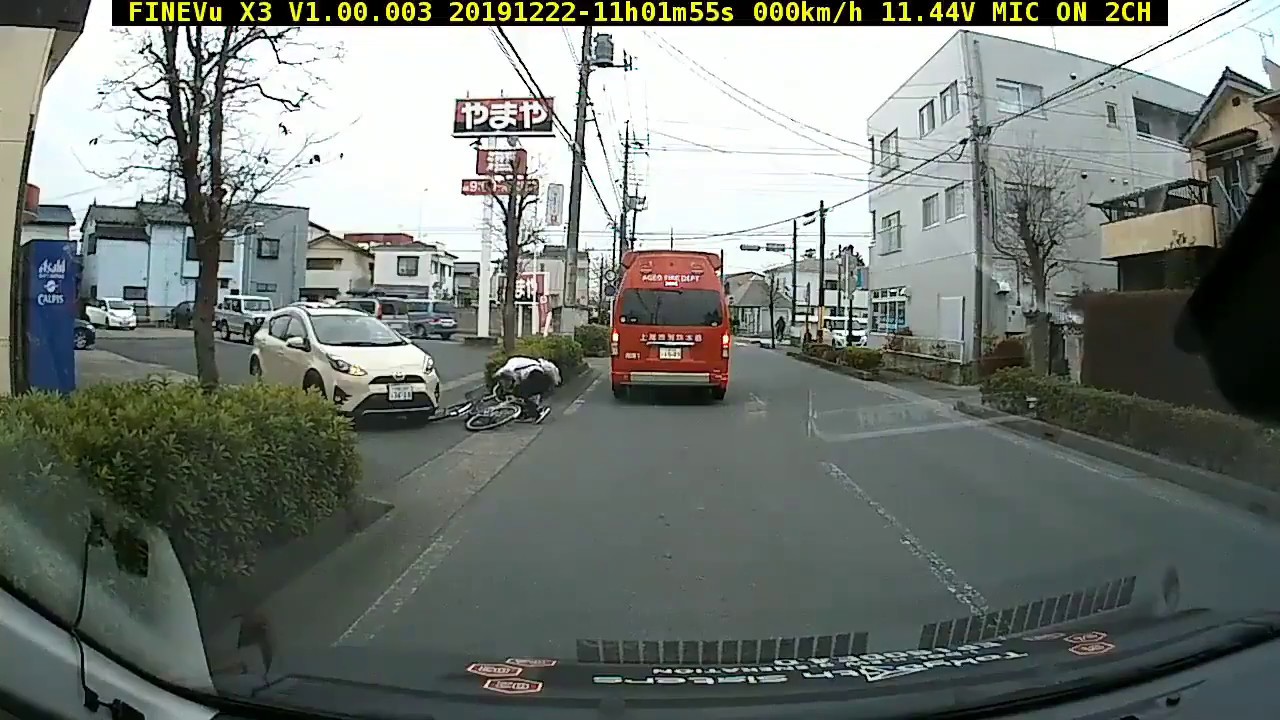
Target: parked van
(670,323)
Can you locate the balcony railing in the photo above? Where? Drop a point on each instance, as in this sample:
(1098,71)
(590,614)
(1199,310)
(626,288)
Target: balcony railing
(1174,215)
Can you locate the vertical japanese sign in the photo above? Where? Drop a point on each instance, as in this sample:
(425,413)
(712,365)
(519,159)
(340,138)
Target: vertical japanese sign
(51,315)
(555,204)
(531,287)
(490,117)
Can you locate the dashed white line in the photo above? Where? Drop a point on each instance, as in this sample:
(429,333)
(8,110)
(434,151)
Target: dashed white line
(963,592)
(578,401)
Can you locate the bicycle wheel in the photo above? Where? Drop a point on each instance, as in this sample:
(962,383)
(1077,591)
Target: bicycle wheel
(493,417)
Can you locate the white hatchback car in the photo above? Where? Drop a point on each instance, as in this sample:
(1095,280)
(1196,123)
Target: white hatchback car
(356,360)
(113,313)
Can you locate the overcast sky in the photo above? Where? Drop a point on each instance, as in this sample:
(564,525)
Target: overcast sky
(392,97)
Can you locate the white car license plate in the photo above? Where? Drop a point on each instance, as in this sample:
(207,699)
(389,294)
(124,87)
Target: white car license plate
(397,393)
(669,353)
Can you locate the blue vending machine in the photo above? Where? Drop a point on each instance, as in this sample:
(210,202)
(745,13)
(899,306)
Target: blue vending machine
(51,315)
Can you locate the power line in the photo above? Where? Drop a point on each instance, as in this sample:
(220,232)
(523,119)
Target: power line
(529,82)
(1107,71)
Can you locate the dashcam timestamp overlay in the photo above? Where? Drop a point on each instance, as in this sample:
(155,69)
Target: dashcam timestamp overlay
(845,13)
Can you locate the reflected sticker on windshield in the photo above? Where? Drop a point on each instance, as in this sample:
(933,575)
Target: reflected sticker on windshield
(517,686)
(1092,636)
(531,662)
(494,670)
(871,667)
(1046,636)
(1092,648)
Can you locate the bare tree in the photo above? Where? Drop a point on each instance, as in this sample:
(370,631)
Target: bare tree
(520,232)
(204,107)
(1040,213)
(776,295)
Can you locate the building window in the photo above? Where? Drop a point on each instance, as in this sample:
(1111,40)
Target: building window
(889,152)
(324,263)
(264,287)
(224,283)
(949,101)
(890,235)
(268,248)
(227,250)
(407,266)
(1156,121)
(133,292)
(1015,97)
(929,211)
(954,197)
(831,284)
(928,120)
(1112,119)
(888,309)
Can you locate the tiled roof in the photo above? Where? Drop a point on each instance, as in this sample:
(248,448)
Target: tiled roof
(54,215)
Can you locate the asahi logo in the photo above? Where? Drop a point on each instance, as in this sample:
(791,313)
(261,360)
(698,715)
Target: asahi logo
(56,269)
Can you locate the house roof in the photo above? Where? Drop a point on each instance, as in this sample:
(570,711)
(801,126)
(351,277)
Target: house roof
(463,268)
(755,293)
(329,237)
(112,215)
(319,227)
(401,247)
(54,215)
(1228,81)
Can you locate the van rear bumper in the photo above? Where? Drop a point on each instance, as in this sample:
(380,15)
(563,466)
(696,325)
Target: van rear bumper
(670,379)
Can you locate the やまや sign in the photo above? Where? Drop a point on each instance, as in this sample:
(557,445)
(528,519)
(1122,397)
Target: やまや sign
(489,117)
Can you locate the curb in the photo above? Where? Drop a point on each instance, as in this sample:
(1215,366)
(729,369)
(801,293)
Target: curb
(872,375)
(1224,488)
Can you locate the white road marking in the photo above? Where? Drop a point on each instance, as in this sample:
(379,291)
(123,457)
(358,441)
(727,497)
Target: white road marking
(963,592)
(403,588)
(578,401)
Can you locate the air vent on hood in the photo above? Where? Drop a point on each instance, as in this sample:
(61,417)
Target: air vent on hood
(1111,595)
(719,652)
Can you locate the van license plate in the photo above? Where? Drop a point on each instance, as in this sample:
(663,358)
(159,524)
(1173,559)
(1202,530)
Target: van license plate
(399,393)
(669,353)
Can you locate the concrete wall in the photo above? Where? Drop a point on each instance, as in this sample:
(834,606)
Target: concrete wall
(938,261)
(384,268)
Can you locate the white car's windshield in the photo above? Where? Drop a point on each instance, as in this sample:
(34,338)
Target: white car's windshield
(256,305)
(353,330)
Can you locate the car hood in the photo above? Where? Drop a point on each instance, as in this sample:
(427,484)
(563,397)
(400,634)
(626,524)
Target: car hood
(113,312)
(407,358)
(1116,627)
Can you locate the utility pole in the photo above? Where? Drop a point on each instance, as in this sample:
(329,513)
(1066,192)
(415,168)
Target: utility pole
(795,261)
(852,281)
(575,178)
(626,187)
(822,266)
(978,133)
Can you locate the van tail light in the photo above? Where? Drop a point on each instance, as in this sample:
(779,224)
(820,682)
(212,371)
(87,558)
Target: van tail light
(378,313)
(613,344)
(724,345)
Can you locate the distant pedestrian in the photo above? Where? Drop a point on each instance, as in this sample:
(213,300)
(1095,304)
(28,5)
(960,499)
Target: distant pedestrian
(780,329)
(808,337)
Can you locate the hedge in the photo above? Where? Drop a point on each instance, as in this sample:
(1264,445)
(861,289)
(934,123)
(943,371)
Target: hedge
(594,339)
(860,358)
(226,473)
(562,350)
(1220,442)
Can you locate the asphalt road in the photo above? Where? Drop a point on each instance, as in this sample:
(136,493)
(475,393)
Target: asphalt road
(390,448)
(807,503)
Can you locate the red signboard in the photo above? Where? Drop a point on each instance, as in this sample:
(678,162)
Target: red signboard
(531,286)
(500,188)
(490,117)
(506,162)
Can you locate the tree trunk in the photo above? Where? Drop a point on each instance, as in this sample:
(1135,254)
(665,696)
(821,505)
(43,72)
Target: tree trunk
(512,272)
(207,253)
(1039,345)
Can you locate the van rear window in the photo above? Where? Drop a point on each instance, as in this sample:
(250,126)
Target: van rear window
(670,307)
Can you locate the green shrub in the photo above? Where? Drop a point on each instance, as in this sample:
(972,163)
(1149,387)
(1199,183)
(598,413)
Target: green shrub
(1215,441)
(861,358)
(594,339)
(562,350)
(225,473)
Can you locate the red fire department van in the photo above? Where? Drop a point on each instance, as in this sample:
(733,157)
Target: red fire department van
(670,323)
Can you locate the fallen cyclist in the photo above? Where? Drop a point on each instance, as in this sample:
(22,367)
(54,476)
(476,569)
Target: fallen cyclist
(528,379)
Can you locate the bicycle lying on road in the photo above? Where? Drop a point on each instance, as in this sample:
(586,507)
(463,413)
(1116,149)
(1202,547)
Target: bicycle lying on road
(487,409)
